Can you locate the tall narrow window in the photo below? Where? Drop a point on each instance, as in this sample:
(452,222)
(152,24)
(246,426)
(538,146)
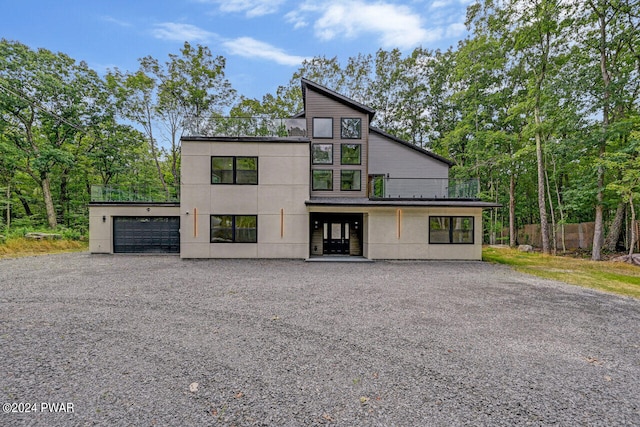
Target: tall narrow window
(376,186)
(322,127)
(234,170)
(351,128)
(234,228)
(322,180)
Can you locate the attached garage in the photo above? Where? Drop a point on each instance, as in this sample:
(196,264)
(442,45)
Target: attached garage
(146,234)
(152,228)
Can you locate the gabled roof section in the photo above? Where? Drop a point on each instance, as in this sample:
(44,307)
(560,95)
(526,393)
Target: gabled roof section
(308,84)
(409,145)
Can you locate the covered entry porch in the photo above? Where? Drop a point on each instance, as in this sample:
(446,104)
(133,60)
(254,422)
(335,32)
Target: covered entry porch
(336,234)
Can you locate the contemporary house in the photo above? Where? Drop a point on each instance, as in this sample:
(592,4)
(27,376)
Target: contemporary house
(321,184)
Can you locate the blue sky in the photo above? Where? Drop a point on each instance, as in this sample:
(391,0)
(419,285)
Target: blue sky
(263,41)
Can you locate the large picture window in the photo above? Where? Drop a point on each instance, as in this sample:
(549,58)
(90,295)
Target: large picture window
(322,154)
(234,229)
(234,170)
(350,180)
(350,154)
(322,180)
(451,230)
(351,128)
(322,127)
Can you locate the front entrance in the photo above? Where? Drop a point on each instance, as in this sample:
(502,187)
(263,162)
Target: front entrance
(336,234)
(335,239)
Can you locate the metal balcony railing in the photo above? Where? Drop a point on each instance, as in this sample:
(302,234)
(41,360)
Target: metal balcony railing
(248,126)
(134,194)
(381,187)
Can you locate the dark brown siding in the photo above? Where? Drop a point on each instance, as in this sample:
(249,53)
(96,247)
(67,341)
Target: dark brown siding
(318,105)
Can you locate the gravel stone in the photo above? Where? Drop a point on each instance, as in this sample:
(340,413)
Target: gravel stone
(156,340)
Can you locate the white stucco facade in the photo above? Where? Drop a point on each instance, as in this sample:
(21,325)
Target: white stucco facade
(261,200)
(277,199)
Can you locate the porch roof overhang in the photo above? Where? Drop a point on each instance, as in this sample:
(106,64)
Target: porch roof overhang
(365,202)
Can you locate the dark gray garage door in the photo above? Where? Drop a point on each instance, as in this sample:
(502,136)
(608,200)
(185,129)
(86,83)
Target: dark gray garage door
(150,234)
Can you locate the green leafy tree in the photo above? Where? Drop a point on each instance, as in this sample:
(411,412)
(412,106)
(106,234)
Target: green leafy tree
(607,55)
(46,101)
(626,161)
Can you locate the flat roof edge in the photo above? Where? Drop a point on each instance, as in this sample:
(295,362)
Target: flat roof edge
(443,203)
(248,139)
(142,204)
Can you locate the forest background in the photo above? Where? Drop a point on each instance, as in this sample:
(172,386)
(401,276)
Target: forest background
(540,103)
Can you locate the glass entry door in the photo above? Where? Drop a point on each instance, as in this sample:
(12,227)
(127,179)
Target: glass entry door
(336,238)
(333,233)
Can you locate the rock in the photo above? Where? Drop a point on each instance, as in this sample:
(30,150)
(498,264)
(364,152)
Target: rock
(631,259)
(193,387)
(42,236)
(525,248)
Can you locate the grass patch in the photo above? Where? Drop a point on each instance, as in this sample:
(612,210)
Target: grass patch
(15,247)
(616,277)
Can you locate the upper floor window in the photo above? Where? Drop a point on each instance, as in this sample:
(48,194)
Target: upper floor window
(322,127)
(351,128)
(322,154)
(350,154)
(234,170)
(376,186)
(451,229)
(350,180)
(322,180)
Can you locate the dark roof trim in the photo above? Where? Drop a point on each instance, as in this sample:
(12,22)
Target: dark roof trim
(364,202)
(137,204)
(287,139)
(308,84)
(409,145)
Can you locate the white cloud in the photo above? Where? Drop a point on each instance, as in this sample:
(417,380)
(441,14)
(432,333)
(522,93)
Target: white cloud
(116,21)
(252,8)
(297,18)
(181,32)
(251,48)
(456,30)
(438,4)
(394,25)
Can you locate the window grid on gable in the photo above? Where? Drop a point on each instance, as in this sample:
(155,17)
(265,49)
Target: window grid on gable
(351,128)
(322,180)
(323,127)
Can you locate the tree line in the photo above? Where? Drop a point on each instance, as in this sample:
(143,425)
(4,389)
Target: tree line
(540,102)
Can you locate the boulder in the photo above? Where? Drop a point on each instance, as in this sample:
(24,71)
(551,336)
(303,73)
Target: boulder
(42,236)
(631,259)
(525,248)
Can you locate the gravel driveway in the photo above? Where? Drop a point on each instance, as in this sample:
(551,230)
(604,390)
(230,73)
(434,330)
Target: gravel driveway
(155,340)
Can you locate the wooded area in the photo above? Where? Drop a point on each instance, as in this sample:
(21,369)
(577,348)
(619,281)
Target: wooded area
(540,102)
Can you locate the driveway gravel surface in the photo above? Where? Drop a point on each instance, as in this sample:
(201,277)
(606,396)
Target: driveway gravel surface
(155,340)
